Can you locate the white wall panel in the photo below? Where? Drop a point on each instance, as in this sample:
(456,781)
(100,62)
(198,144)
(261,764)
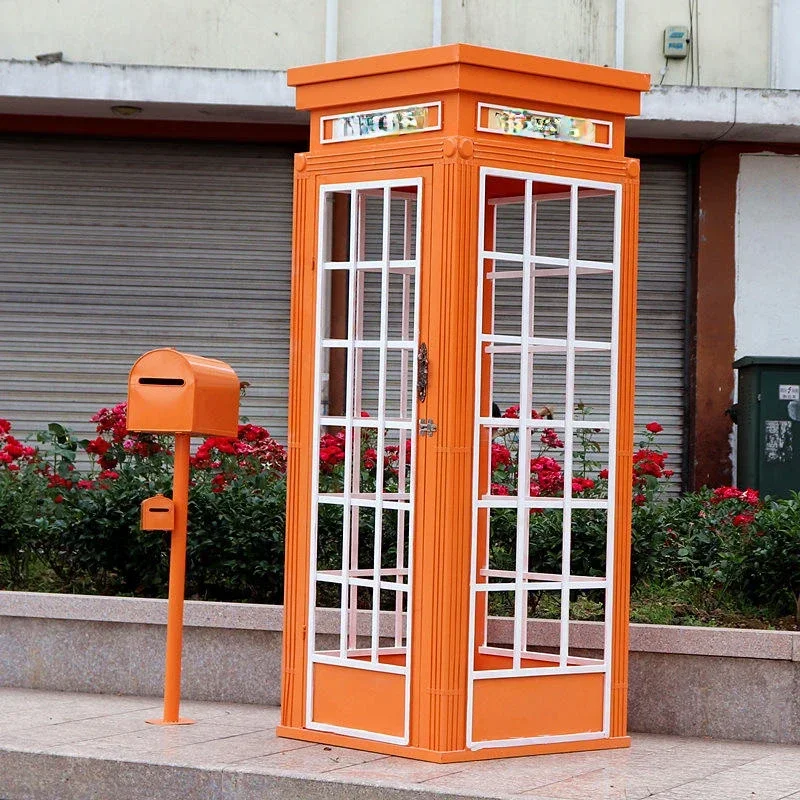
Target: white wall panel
(767,244)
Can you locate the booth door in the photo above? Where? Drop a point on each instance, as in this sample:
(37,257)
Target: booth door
(544,466)
(363,482)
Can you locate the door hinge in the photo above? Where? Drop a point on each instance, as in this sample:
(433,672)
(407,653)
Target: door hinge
(427,427)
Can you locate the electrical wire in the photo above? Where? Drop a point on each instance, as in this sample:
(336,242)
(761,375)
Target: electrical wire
(664,70)
(730,127)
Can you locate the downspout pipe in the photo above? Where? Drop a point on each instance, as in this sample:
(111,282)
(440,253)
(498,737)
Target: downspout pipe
(437,23)
(775,46)
(331,30)
(619,35)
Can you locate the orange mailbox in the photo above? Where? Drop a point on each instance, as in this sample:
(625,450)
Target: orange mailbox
(157,514)
(464,256)
(174,392)
(182,394)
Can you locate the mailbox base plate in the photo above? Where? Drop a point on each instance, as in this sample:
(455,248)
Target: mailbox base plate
(180,721)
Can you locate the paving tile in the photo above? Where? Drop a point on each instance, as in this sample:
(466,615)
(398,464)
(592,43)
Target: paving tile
(83,730)
(713,748)
(198,710)
(153,738)
(508,776)
(45,711)
(604,784)
(397,771)
(308,760)
(256,717)
(228,751)
(652,742)
(772,778)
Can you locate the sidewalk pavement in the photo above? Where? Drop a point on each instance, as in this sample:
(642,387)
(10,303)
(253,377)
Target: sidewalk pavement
(67,746)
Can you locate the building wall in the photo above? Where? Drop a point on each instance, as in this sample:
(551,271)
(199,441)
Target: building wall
(746,296)
(767,244)
(731,40)
(732,37)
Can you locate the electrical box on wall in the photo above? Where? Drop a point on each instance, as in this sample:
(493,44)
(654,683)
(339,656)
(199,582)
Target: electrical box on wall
(676,41)
(768,416)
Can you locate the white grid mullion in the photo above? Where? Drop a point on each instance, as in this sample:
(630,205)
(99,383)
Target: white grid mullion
(320,658)
(348,606)
(323,240)
(381,444)
(489,378)
(530,284)
(534,672)
(524,441)
(409,617)
(567,737)
(355,487)
(569,410)
(405,325)
(476,439)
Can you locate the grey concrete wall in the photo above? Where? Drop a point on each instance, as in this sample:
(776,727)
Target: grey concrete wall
(722,697)
(731,684)
(223,664)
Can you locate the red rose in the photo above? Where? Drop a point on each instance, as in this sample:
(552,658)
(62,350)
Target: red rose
(654,427)
(750,496)
(501,455)
(581,485)
(98,446)
(14,448)
(550,438)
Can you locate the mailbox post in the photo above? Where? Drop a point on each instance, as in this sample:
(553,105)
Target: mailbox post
(183,395)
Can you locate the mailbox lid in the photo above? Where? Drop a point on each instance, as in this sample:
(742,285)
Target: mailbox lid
(174,392)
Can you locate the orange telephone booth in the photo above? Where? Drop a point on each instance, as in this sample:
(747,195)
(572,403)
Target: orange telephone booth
(463,309)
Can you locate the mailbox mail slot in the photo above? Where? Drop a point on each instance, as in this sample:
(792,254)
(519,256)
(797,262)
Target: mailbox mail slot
(158,514)
(174,392)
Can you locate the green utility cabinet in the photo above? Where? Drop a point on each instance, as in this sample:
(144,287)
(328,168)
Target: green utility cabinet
(768,416)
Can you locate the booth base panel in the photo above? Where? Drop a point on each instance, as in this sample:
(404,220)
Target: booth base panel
(450,756)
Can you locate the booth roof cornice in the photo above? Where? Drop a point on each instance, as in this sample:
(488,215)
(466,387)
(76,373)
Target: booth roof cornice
(467,54)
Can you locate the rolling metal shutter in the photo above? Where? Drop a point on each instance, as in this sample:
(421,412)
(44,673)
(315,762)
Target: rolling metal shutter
(662,322)
(661,391)
(111,248)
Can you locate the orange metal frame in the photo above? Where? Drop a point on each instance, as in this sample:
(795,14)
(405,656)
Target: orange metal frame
(448,160)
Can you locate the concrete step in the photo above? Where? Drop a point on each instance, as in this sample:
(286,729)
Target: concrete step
(66,746)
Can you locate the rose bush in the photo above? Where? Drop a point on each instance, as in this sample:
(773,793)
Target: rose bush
(69,516)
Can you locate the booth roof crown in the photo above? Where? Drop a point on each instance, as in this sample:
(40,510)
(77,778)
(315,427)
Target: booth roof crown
(471,69)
